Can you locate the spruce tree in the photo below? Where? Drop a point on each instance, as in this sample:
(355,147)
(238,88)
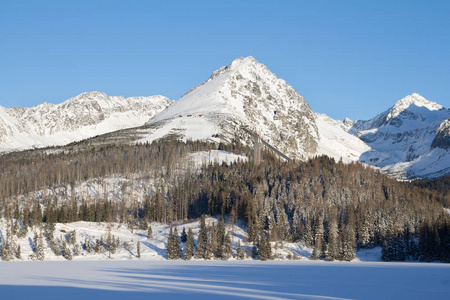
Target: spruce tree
(239,252)
(189,249)
(226,247)
(138,249)
(40,248)
(184,236)
(255,251)
(169,245)
(332,239)
(5,252)
(202,243)
(176,245)
(214,245)
(149,232)
(18,253)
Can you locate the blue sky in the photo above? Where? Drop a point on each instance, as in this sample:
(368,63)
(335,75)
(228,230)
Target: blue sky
(347,58)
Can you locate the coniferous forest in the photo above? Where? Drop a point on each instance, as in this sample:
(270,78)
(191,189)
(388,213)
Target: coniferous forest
(333,207)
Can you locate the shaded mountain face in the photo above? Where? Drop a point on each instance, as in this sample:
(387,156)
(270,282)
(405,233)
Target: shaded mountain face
(81,117)
(442,138)
(403,137)
(244,93)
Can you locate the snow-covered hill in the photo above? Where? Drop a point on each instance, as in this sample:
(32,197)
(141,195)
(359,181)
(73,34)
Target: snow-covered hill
(81,117)
(408,140)
(247,93)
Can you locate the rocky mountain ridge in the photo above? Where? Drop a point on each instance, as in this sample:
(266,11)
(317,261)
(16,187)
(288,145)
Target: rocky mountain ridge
(81,117)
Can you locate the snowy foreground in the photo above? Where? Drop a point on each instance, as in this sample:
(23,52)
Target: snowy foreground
(222,280)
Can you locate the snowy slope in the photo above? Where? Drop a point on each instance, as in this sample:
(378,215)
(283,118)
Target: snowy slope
(242,93)
(401,139)
(81,117)
(336,142)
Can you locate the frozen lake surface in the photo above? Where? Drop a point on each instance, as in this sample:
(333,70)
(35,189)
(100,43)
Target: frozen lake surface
(223,280)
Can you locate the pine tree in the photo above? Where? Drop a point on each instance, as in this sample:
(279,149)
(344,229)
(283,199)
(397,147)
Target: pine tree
(189,249)
(18,253)
(202,243)
(214,245)
(5,252)
(169,245)
(87,245)
(318,240)
(265,250)
(138,249)
(239,252)
(226,247)
(255,251)
(176,245)
(149,232)
(183,236)
(66,252)
(40,248)
(332,239)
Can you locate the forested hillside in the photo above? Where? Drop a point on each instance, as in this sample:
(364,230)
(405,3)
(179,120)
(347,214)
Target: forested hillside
(335,208)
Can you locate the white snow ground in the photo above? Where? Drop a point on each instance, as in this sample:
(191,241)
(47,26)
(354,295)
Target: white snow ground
(223,280)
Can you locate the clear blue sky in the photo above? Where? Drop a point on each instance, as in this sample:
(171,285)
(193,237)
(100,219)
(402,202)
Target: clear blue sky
(347,58)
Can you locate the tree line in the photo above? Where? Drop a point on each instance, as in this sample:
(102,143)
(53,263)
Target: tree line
(333,207)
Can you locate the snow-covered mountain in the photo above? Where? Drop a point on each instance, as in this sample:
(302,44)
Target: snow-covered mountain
(247,93)
(81,117)
(408,140)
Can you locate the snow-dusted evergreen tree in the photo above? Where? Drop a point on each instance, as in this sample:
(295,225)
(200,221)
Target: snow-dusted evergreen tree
(5,252)
(169,244)
(18,252)
(149,232)
(138,249)
(40,248)
(239,252)
(176,245)
(265,250)
(173,244)
(255,250)
(189,249)
(202,243)
(332,238)
(72,237)
(98,245)
(226,247)
(66,252)
(87,245)
(213,244)
(318,239)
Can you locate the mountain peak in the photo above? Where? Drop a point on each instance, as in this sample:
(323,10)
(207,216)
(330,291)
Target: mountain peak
(406,102)
(240,63)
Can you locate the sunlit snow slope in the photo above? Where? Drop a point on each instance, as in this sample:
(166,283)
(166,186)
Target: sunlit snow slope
(81,117)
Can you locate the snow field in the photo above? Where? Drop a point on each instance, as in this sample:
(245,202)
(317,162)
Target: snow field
(223,280)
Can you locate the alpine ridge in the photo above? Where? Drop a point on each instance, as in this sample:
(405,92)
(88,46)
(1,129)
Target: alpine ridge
(81,117)
(407,140)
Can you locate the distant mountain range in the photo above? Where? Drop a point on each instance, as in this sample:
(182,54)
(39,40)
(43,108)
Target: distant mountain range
(409,140)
